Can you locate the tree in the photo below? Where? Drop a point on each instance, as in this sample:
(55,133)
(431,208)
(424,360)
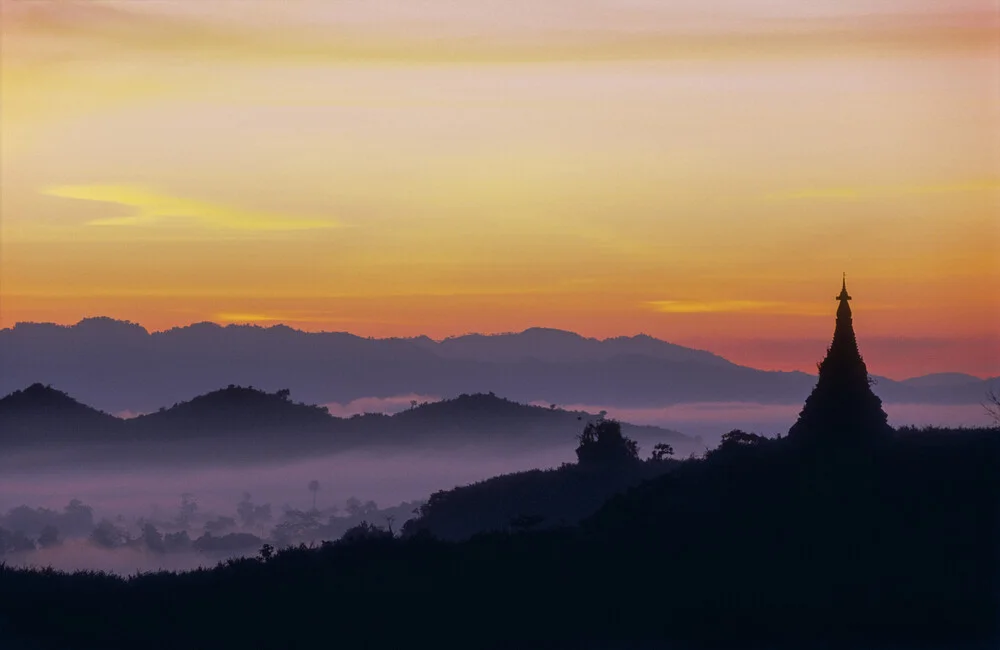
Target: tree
(188,507)
(365,532)
(354,507)
(284,394)
(296,525)
(992,404)
(49,537)
(13,542)
(153,539)
(522,523)
(662,451)
(314,488)
(250,514)
(77,518)
(739,439)
(107,535)
(602,443)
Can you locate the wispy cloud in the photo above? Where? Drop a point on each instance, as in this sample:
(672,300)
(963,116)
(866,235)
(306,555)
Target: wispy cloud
(154,209)
(443,31)
(247,318)
(240,318)
(894,191)
(731,306)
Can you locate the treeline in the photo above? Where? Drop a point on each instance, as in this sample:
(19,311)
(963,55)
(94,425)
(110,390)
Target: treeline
(25,529)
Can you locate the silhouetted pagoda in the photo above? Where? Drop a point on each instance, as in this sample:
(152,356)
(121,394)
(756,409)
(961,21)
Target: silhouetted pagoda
(842,407)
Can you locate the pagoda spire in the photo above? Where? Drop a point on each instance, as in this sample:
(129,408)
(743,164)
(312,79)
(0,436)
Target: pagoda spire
(842,406)
(843,291)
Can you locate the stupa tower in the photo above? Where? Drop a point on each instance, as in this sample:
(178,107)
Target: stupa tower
(842,406)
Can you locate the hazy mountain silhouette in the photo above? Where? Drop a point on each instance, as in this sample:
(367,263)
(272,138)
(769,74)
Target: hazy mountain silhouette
(546,344)
(119,366)
(274,423)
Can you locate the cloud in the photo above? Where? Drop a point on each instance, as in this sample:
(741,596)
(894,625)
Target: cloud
(894,191)
(393,404)
(155,209)
(731,306)
(240,318)
(443,31)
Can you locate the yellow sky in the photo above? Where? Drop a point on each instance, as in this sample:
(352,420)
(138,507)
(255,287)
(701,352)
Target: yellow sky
(702,171)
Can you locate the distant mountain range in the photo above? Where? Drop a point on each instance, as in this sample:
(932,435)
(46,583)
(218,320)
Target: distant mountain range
(119,366)
(250,424)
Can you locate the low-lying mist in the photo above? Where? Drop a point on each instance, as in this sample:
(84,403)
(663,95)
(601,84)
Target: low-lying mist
(385,475)
(203,513)
(180,511)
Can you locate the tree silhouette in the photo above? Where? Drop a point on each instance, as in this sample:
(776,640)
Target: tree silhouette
(314,488)
(49,537)
(740,438)
(662,451)
(992,405)
(602,443)
(188,508)
(153,539)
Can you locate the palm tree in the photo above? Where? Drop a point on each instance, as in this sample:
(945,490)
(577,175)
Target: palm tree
(314,488)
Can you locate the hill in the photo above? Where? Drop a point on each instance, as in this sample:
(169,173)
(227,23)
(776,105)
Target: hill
(43,415)
(234,410)
(275,424)
(120,367)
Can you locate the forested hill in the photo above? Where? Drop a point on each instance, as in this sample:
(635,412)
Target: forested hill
(42,414)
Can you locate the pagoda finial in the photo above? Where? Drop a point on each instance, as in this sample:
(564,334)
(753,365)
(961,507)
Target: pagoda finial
(843,290)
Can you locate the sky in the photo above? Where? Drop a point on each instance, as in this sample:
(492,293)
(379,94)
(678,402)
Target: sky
(702,171)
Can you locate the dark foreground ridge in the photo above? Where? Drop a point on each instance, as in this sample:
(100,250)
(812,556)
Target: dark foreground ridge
(759,544)
(844,536)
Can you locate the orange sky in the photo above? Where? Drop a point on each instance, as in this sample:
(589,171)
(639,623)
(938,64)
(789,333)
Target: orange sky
(701,172)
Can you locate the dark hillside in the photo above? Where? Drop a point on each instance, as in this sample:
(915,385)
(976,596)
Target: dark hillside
(234,410)
(763,544)
(43,415)
(537,499)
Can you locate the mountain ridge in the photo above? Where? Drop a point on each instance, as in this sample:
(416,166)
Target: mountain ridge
(119,366)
